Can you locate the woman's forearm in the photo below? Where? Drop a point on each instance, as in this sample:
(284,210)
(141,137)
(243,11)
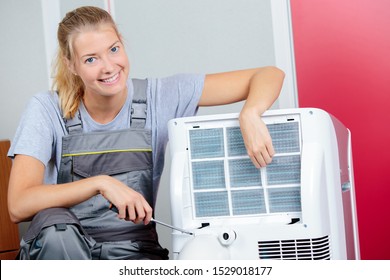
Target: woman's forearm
(264,88)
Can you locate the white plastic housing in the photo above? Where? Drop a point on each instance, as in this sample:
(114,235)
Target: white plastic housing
(301,206)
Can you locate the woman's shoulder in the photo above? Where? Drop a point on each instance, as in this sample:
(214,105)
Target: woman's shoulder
(44,104)
(182,78)
(46,98)
(181,84)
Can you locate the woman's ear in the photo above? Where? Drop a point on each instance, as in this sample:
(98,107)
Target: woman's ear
(70,65)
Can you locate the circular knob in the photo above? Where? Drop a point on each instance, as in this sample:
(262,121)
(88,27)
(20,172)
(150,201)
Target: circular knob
(227,237)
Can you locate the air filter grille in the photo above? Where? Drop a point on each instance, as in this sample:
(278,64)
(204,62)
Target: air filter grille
(224,181)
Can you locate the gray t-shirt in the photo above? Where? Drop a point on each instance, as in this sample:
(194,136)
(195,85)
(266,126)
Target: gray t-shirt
(41,128)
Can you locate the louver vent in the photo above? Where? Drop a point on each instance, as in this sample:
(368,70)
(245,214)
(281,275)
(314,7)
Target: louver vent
(298,249)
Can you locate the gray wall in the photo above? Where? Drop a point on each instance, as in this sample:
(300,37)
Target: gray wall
(22,57)
(162,38)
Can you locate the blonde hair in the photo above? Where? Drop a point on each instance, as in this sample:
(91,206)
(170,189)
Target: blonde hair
(69,86)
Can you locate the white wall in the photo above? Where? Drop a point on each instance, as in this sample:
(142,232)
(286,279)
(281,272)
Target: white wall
(162,38)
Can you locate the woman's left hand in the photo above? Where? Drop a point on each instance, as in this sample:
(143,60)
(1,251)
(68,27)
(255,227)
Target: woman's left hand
(257,139)
(260,87)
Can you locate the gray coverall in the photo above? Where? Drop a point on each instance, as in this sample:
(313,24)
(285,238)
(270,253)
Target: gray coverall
(90,230)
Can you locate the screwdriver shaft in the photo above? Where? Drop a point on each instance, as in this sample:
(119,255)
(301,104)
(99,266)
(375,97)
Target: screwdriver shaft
(170,226)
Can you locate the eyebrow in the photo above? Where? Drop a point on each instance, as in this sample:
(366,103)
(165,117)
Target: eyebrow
(93,54)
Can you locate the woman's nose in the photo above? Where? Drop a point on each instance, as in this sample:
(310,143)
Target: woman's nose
(108,65)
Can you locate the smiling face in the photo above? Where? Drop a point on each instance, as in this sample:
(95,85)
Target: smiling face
(101,62)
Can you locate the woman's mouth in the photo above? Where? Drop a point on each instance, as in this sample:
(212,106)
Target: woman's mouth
(110,80)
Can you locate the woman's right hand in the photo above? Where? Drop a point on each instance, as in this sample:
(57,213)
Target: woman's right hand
(131,205)
(27,193)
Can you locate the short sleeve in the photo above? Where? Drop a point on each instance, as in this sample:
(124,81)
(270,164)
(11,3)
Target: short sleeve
(35,134)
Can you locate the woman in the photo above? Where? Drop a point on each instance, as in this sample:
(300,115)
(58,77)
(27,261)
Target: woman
(99,140)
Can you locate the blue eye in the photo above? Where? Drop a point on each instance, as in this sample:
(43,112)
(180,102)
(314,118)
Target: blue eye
(90,60)
(114,49)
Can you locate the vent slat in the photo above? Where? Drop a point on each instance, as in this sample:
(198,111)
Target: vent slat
(299,249)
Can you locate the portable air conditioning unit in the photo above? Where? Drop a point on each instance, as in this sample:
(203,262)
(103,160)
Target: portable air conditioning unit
(301,206)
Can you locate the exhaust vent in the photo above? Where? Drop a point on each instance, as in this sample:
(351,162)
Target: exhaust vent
(298,249)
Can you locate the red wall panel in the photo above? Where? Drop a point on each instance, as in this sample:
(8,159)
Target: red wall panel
(342,53)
